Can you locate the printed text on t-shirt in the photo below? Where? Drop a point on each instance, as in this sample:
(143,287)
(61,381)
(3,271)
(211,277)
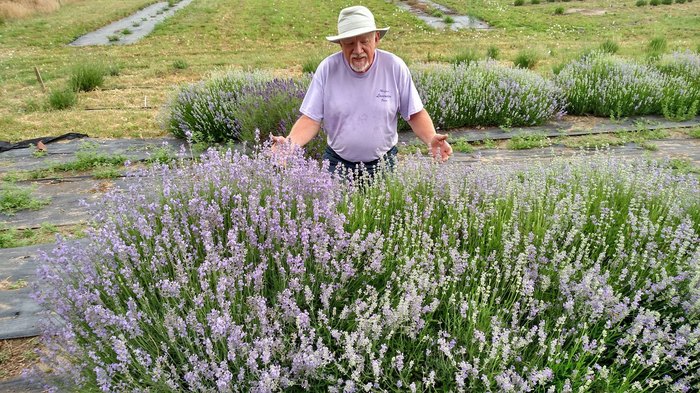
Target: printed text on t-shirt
(383,95)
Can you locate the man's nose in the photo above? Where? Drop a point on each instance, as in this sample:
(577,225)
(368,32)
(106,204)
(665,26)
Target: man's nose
(357,48)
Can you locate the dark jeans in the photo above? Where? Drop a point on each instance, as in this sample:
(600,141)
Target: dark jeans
(338,163)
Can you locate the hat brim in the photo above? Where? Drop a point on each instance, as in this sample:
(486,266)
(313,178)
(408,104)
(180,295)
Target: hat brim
(355,33)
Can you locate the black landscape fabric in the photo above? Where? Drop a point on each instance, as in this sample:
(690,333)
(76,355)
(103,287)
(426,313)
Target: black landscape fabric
(5,146)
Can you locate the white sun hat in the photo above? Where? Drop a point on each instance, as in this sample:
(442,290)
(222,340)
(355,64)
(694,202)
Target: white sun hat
(354,21)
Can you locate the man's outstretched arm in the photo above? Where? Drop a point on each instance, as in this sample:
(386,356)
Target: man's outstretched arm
(422,126)
(304,130)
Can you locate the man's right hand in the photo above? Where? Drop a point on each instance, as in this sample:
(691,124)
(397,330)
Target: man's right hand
(277,142)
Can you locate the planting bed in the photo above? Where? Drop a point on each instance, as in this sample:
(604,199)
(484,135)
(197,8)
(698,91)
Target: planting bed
(20,315)
(132,28)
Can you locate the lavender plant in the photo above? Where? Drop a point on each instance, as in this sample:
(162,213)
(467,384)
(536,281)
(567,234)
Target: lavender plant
(241,274)
(682,90)
(605,85)
(231,107)
(486,93)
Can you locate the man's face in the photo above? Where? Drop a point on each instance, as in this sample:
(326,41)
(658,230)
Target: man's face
(359,50)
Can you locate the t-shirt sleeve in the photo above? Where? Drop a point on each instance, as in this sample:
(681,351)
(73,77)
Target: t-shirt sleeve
(312,106)
(410,102)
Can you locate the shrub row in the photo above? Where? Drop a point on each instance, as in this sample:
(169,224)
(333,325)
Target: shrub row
(236,274)
(486,93)
(605,85)
(236,105)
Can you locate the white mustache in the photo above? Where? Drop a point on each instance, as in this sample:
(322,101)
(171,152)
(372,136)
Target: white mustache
(359,56)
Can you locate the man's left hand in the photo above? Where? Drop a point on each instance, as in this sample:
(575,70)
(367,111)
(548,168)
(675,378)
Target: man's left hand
(440,149)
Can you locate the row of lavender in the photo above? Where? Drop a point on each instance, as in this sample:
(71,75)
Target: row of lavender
(238,274)
(233,106)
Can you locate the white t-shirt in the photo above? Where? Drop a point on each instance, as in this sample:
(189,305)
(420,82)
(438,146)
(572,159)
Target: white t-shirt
(360,110)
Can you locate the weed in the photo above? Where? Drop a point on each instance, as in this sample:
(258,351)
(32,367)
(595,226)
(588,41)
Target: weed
(529,141)
(136,24)
(311,64)
(105,171)
(113,70)
(448,19)
(641,3)
(161,155)
(649,146)
(180,64)
(113,38)
(526,59)
(609,47)
(654,2)
(657,45)
(667,2)
(8,285)
(467,56)
(695,132)
(683,166)
(461,145)
(556,68)
(535,1)
(415,147)
(492,52)
(46,233)
(593,141)
(36,153)
(559,10)
(641,136)
(126,31)
(518,2)
(14,198)
(87,76)
(488,144)
(62,99)
(434,12)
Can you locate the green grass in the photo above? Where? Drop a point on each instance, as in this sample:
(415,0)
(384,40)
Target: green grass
(527,59)
(87,76)
(46,233)
(210,35)
(180,64)
(695,132)
(593,141)
(529,141)
(62,99)
(461,145)
(684,166)
(465,56)
(14,198)
(88,158)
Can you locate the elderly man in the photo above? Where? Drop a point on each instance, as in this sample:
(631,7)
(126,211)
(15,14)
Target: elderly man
(358,94)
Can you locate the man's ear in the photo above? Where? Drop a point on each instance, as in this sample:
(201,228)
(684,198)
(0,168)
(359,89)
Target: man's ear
(377,36)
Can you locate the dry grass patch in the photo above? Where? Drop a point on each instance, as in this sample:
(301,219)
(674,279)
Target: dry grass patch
(17,355)
(18,9)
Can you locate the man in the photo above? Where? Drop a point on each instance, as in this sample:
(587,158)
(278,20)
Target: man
(359,93)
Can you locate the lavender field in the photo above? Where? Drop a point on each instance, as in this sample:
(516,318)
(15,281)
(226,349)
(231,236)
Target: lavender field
(238,273)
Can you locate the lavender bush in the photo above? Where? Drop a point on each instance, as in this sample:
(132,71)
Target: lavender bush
(604,85)
(682,90)
(232,106)
(241,274)
(486,93)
